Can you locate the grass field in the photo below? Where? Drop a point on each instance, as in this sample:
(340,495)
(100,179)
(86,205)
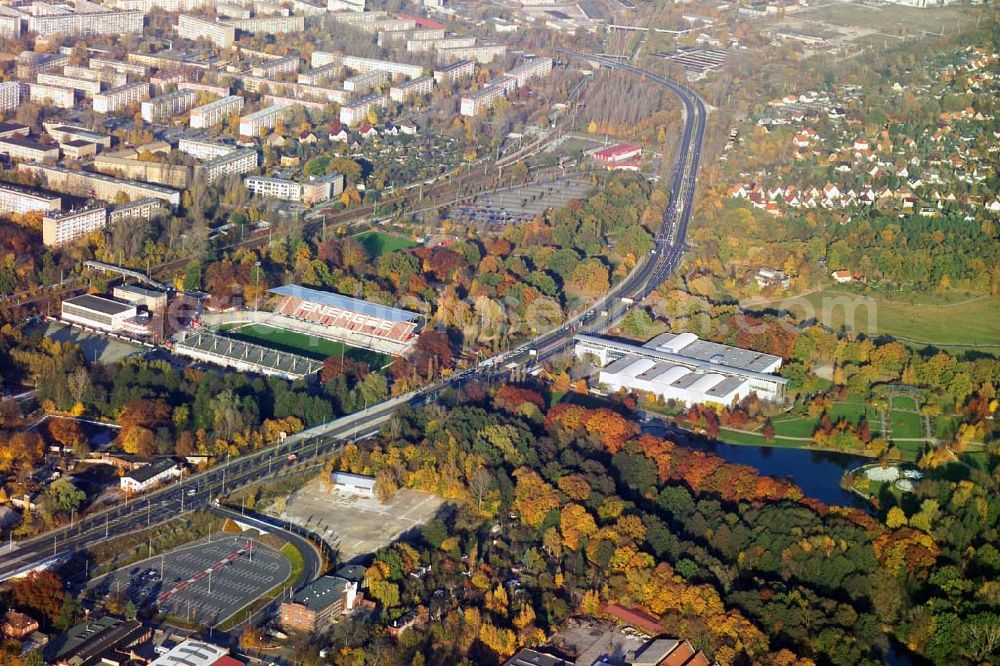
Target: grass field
(906,425)
(377,243)
(804,426)
(939,322)
(304,345)
(886,18)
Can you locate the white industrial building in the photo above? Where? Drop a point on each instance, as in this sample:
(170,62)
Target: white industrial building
(684,368)
(100,312)
(354,483)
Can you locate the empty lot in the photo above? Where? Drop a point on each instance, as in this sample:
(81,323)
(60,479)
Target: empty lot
(353,524)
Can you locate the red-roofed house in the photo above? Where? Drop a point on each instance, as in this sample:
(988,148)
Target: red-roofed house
(337,132)
(842,276)
(421,21)
(636,618)
(227,661)
(616,156)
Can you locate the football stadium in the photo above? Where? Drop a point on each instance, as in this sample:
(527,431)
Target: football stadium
(306,326)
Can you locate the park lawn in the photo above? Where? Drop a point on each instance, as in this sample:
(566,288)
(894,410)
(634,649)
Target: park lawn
(906,425)
(803,426)
(911,450)
(906,402)
(931,321)
(377,243)
(311,346)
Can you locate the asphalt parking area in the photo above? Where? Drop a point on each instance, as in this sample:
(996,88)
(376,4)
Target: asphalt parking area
(204,583)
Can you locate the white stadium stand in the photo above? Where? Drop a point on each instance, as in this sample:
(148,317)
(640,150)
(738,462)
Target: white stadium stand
(349,320)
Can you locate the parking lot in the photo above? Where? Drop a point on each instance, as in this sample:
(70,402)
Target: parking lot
(204,583)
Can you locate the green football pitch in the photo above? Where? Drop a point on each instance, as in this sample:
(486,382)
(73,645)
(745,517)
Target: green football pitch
(311,346)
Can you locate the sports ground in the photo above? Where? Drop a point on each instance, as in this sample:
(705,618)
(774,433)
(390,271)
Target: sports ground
(310,346)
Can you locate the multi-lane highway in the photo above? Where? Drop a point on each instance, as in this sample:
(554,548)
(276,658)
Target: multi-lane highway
(198,491)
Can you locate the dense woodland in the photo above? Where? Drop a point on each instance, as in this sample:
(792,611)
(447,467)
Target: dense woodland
(590,512)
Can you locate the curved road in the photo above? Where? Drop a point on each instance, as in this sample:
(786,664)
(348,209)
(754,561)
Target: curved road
(197,491)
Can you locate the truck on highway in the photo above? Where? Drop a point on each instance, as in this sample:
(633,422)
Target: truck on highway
(628,301)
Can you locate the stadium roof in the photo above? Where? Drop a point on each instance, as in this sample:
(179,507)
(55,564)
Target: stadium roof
(345,303)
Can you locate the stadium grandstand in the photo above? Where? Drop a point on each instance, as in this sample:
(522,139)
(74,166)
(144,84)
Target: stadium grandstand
(348,320)
(245,356)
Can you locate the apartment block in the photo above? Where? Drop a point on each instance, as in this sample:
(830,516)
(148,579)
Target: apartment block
(346,6)
(316,190)
(268,25)
(139,209)
(291,101)
(366,82)
(482,54)
(8,130)
(425,45)
(221,91)
(108,77)
(456,71)
(235,163)
(484,99)
(360,65)
(84,18)
(127,68)
(59,228)
(66,133)
(356,111)
(172,175)
(164,107)
(321,75)
(55,96)
(29,63)
(17,200)
(216,112)
(530,69)
(296,91)
(88,88)
(78,149)
(361,17)
(97,185)
(10,24)
(387,24)
(28,150)
(276,67)
(419,86)
(118,98)
(391,37)
(192,27)
(10,95)
(266,118)
(204,150)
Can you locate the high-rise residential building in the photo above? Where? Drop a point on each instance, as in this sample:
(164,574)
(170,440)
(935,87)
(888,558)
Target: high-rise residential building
(354,112)
(78,17)
(366,82)
(10,95)
(28,150)
(61,227)
(235,163)
(275,67)
(530,69)
(425,45)
(455,71)
(359,64)
(268,25)
(118,98)
(97,185)
(29,63)
(216,112)
(127,68)
(17,200)
(485,98)
(204,150)
(164,107)
(266,118)
(483,53)
(87,87)
(55,96)
(423,85)
(193,27)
